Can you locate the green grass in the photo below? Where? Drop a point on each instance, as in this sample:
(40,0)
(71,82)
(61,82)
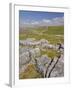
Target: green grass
(55,30)
(30,72)
(49,34)
(50,53)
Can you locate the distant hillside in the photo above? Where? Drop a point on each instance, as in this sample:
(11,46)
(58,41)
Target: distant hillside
(44,29)
(29,29)
(55,30)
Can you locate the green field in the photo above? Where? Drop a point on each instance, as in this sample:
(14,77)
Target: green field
(53,34)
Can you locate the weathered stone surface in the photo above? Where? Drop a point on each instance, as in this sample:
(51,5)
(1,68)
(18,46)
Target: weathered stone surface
(24,49)
(28,55)
(33,42)
(24,58)
(50,68)
(43,60)
(42,63)
(44,41)
(58,71)
(43,44)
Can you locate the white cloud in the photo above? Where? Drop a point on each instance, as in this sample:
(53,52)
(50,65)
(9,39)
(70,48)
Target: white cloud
(48,22)
(35,22)
(54,22)
(58,21)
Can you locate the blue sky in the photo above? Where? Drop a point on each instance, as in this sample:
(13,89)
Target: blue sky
(40,18)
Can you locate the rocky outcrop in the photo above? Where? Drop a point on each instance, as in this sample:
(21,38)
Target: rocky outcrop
(48,67)
(42,44)
(27,56)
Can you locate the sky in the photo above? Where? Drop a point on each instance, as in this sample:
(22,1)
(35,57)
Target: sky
(33,18)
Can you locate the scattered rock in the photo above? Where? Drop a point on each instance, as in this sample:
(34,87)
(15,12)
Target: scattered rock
(28,55)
